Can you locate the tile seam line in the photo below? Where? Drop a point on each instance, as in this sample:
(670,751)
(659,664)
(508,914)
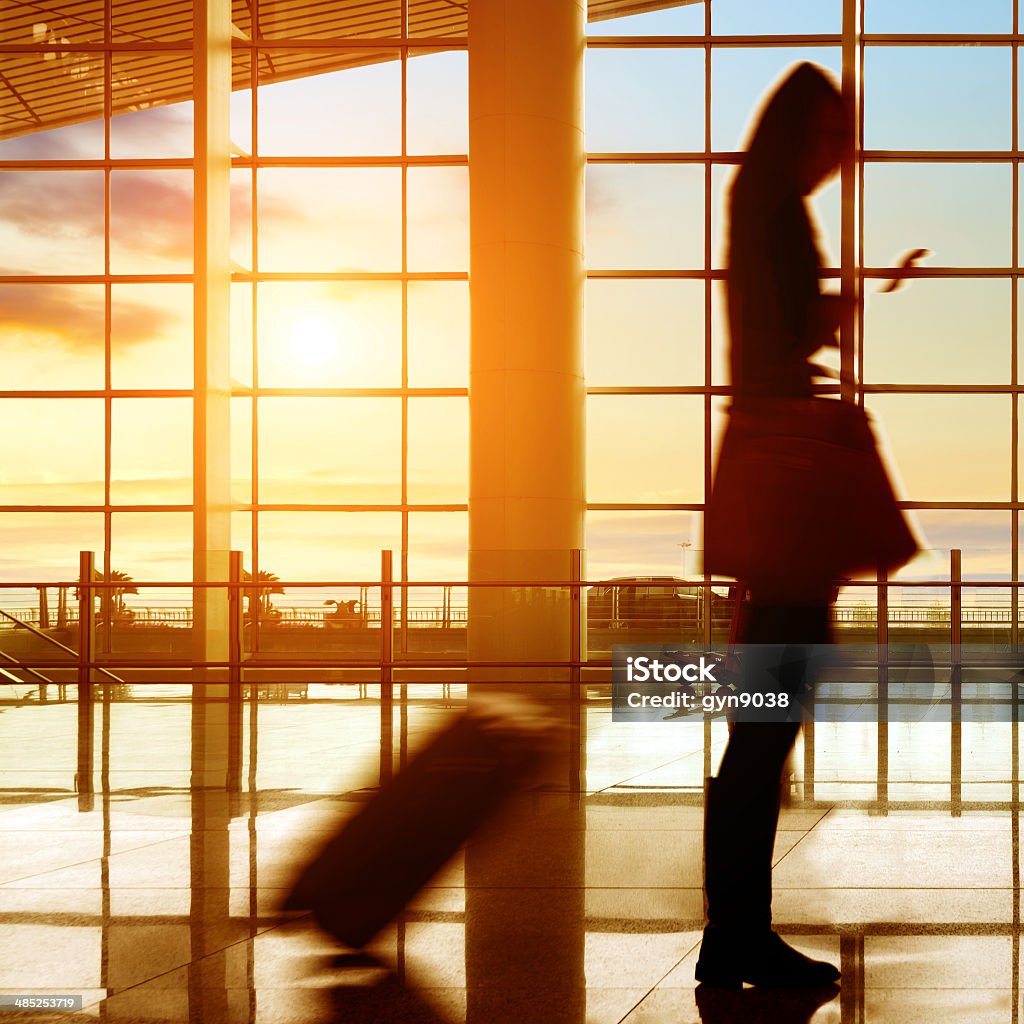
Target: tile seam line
(185,966)
(655,986)
(90,860)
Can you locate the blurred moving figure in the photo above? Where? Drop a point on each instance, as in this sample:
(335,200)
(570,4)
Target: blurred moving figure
(365,875)
(778,318)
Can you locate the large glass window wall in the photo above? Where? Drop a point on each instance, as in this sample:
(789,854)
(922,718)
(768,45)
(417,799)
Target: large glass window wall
(349,330)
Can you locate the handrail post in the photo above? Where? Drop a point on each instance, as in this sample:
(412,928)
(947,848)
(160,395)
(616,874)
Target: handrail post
(882,646)
(956,685)
(236,628)
(577,650)
(387,622)
(86,654)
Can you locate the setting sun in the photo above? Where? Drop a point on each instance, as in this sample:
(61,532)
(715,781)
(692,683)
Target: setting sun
(314,342)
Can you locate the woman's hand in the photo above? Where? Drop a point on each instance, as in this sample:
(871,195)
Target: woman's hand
(907,262)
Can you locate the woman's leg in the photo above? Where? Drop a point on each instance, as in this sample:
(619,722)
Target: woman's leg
(741,818)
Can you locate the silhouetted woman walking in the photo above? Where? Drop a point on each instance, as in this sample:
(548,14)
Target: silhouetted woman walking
(778,318)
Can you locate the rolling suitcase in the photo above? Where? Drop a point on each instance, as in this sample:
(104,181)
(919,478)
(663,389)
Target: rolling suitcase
(382,857)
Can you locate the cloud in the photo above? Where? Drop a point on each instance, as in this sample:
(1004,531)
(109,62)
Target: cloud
(151,212)
(57,205)
(156,131)
(73,142)
(136,322)
(73,315)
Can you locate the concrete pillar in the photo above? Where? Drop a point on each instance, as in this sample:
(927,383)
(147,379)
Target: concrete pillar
(526,396)
(525,948)
(211,407)
(210,847)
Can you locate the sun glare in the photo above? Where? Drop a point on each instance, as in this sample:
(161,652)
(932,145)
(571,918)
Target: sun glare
(314,342)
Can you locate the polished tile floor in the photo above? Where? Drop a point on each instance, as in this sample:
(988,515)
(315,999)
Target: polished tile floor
(160,904)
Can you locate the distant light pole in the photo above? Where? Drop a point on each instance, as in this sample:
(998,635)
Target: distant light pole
(685,548)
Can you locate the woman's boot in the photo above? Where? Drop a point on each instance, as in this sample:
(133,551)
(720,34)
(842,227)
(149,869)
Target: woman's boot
(739,944)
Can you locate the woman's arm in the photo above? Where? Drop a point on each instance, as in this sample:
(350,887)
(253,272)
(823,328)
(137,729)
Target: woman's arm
(824,321)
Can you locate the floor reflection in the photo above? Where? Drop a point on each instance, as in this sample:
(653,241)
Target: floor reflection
(760,1006)
(161,901)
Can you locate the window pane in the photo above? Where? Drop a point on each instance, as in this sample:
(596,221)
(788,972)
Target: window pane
(438,334)
(929,16)
(436,18)
(330,219)
(52,222)
(150,222)
(241,218)
(438,218)
(640,544)
(645,333)
(241,101)
(365,105)
(147,94)
(959,211)
(154,546)
(241,334)
(644,100)
(947,447)
(241,534)
(437,112)
(342,546)
(151,451)
(330,450)
(677,21)
(645,449)
(939,332)
(75,142)
(51,336)
(49,94)
(355,21)
(645,217)
(984,539)
(89,25)
(794,17)
(131,21)
(937,97)
(241,450)
(45,546)
(438,548)
(151,331)
(438,450)
(742,80)
(61,459)
(330,334)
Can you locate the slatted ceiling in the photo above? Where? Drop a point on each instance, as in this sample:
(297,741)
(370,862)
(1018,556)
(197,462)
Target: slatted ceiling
(151,21)
(78,20)
(603,10)
(241,16)
(327,19)
(37,93)
(142,80)
(438,18)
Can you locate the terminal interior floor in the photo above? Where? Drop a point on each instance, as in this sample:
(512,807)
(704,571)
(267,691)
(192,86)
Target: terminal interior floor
(161,904)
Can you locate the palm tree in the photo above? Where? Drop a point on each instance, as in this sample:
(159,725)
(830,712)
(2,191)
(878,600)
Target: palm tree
(117,593)
(113,595)
(261,593)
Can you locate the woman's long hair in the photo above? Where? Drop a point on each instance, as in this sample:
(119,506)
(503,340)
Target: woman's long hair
(782,137)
